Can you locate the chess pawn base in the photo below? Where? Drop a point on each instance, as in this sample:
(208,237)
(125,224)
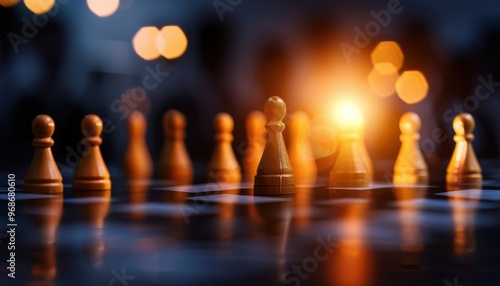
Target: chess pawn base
(224,176)
(177,175)
(92,185)
(274,184)
(464,179)
(350,180)
(349,170)
(43,188)
(419,177)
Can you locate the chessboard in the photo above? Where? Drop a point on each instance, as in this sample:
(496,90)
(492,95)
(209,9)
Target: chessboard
(152,233)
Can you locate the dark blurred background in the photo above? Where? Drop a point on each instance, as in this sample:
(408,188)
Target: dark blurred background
(241,52)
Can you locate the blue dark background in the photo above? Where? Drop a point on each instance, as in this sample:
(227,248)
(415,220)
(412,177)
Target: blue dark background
(78,63)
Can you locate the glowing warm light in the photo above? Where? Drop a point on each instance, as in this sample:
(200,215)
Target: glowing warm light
(8,3)
(103,8)
(412,87)
(39,6)
(322,137)
(144,43)
(387,56)
(349,117)
(383,84)
(171,42)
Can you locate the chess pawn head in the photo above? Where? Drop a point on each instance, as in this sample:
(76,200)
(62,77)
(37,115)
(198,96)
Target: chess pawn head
(464,169)
(223,124)
(410,123)
(136,124)
(275,111)
(464,124)
(91,126)
(43,176)
(173,121)
(43,127)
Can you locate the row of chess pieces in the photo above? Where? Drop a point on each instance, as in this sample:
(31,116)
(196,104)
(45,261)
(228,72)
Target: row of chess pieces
(267,163)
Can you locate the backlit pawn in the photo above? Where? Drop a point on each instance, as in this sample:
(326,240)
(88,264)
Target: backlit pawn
(223,166)
(410,166)
(91,173)
(43,176)
(463,167)
(350,169)
(274,174)
(256,137)
(299,151)
(175,164)
(138,163)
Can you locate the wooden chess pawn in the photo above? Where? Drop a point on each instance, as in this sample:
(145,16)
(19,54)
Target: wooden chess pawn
(175,164)
(410,166)
(274,174)
(350,169)
(91,173)
(138,164)
(43,176)
(256,137)
(299,151)
(223,166)
(463,168)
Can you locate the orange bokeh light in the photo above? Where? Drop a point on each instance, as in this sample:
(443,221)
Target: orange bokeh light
(171,42)
(412,87)
(39,6)
(385,55)
(103,8)
(144,43)
(8,3)
(383,84)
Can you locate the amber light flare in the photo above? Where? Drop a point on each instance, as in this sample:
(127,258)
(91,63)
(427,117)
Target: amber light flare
(387,56)
(103,8)
(39,6)
(383,84)
(349,117)
(144,43)
(171,42)
(412,87)
(8,3)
